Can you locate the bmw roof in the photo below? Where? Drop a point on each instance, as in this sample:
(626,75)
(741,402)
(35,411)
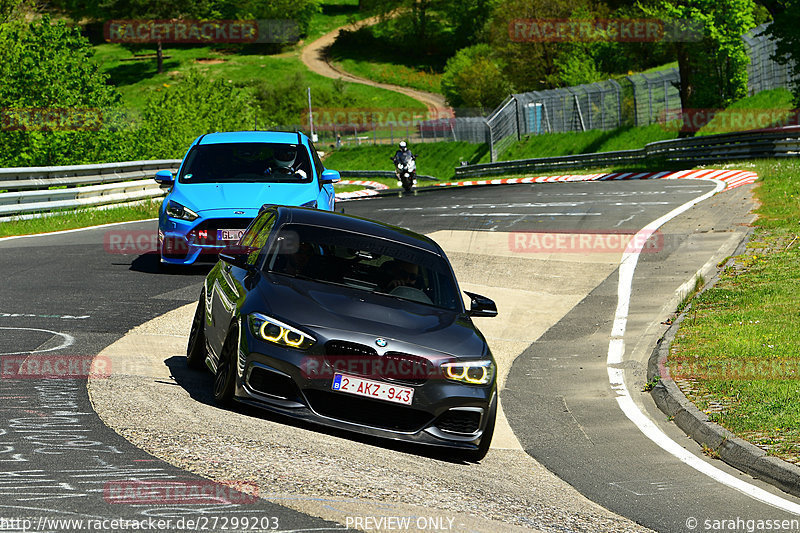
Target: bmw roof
(249,137)
(327,219)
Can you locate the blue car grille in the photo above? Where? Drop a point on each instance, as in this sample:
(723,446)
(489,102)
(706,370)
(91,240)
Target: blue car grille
(205,233)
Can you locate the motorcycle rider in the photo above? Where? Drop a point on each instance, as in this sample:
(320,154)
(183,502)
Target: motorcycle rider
(404,161)
(401,151)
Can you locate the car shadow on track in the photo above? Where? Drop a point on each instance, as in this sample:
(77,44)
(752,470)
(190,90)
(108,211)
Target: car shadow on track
(150,263)
(199,384)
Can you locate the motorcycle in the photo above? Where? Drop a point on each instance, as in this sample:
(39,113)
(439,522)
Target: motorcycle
(406,170)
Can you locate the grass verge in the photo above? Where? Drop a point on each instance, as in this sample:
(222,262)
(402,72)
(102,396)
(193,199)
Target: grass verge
(370,52)
(584,142)
(135,80)
(737,357)
(83,218)
(762,110)
(434,159)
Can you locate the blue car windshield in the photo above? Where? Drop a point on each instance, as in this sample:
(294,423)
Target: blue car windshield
(247,162)
(363,262)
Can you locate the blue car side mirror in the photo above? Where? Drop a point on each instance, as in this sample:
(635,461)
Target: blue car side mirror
(330,176)
(164,177)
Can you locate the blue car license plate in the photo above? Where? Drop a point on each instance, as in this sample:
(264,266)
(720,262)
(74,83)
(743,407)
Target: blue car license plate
(229,234)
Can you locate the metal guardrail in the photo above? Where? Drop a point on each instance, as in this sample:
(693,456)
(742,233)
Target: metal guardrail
(379,174)
(544,164)
(31,191)
(44,189)
(780,142)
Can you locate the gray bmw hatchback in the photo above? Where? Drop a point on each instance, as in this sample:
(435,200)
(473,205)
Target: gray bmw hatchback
(349,323)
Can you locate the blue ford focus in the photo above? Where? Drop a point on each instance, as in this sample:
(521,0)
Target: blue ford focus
(224,180)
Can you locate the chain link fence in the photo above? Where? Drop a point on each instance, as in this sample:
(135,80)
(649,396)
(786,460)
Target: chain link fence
(639,99)
(656,96)
(763,72)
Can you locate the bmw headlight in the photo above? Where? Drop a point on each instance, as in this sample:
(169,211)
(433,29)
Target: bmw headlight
(176,210)
(470,372)
(270,330)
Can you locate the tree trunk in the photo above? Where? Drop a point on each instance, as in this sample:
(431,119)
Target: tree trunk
(686,88)
(160,58)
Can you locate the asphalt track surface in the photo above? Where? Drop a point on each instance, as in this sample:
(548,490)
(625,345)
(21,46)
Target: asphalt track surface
(66,294)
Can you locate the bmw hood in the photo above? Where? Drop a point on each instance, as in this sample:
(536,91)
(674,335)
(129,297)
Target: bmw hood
(319,306)
(209,196)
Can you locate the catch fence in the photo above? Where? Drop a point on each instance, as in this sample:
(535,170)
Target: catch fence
(763,72)
(639,99)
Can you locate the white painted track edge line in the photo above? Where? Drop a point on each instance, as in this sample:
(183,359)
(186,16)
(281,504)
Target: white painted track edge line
(616,375)
(75,230)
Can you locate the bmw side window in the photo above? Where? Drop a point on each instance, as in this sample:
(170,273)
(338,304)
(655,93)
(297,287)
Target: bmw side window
(256,235)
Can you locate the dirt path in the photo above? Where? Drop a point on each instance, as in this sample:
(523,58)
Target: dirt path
(314,56)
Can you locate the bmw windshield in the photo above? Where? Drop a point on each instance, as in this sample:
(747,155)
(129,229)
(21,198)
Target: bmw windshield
(246,162)
(364,263)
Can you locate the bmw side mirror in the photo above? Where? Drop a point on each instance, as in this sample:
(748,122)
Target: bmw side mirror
(164,177)
(481,305)
(237,256)
(330,176)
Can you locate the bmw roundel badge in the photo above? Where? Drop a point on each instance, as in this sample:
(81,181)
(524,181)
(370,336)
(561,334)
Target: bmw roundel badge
(381,342)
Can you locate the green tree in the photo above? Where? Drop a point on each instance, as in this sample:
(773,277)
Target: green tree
(44,64)
(425,27)
(713,69)
(10,9)
(172,118)
(145,9)
(46,70)
(530,65)
(784,29)
(473,78)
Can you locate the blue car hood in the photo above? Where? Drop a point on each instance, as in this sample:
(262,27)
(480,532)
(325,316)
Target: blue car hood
(210,196)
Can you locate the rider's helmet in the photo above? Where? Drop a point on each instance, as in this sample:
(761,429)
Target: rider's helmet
(285,158)
(403,146)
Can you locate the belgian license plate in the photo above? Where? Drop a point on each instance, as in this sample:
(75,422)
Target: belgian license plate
(229,234)
(372,389)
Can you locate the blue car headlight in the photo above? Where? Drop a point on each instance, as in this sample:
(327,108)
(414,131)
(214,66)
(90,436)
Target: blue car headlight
(270,330)
(470,372)
(176,210)
(312,203)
